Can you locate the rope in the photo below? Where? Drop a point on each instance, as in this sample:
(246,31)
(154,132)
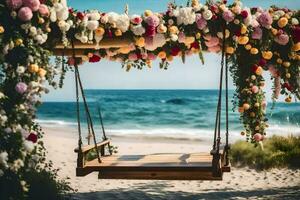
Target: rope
(78,114)
(217,132)
(101,122)
(227,118)
(78,81)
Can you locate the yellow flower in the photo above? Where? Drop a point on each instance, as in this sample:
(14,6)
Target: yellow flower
(170,58)
(124,50)
(42,72)
(41,20)
(246,106)
(2,29)
(286,64)
(230,50)
(288,99)
(99,31)
(173,30)
(85,58)
(254,51)
(267,55)
(259,71)
(189,40)
(248,46)
(282,22)
(90,55)
(274,31)
(149,63)
(140,42)
(256,105)
(288,75)
(252,114)
(279,60)
(243,40)
(198,35)
(243,29)
(161,28)
(148,13)
(18,42)
(162,55)
(33,68)
(118,32)
(296,47)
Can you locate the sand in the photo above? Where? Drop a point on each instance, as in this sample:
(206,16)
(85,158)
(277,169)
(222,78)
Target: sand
(241,183)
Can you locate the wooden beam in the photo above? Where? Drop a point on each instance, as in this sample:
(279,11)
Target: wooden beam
(91,146)
(104,44)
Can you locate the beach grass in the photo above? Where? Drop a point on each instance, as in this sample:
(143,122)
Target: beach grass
(274,152)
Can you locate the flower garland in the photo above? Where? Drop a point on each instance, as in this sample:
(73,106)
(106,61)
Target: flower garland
(257,40)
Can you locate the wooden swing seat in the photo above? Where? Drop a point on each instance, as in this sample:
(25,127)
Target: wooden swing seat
(196,166)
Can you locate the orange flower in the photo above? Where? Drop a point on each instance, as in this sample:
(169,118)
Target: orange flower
(282,22)
(99,31)
(162,55)
(42,72)
(254,51)
(267,55)
(33,68)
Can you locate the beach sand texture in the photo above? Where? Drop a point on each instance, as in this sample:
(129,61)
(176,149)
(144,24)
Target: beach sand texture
(241,183)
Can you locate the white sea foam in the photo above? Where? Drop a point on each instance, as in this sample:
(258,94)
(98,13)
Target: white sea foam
(176,133)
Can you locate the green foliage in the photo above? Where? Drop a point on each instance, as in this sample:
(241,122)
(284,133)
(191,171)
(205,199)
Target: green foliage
(44,185)
(277,151)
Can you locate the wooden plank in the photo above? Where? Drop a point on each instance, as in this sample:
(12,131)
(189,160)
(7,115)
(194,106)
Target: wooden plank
(158,175)
(156,160)
(104,44)
(92,146)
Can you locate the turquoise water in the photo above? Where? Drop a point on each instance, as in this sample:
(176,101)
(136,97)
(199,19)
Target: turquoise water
(161,112)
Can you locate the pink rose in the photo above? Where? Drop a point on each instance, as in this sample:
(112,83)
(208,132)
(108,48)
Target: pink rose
(201,22)
(152,20)
(228,16)
(43,10)
(21,87)
(136,19)
(181,37)
(25,14)
(32,4)
(257,33)
(214,49)
(257,137)
(132,57)
(14,4)
(282,39)
(254,89)
(213,41)
(265,19)
(151,56)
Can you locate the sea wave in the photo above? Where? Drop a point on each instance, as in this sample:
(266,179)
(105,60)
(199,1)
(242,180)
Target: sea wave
(175,133)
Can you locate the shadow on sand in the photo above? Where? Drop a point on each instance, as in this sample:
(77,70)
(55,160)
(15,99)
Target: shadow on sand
(158,192)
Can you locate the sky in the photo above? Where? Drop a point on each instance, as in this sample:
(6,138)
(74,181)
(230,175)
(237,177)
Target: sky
(110,75)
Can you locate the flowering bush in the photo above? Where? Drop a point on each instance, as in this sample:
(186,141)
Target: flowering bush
(256,40)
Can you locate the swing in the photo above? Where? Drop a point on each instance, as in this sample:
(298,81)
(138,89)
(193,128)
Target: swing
(195,166)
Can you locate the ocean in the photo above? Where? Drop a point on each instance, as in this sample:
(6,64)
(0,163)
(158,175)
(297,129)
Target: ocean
(164,113)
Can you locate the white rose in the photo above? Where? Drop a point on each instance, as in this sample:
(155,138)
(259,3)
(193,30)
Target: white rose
(138,30)
(170,22)
(4,159)
(28,145)
(92,25)
(207,14)
(186,16)
(1,95)
(32,31)
(295,21)
(174,37)
(20,69)
(123,22)
(53,17)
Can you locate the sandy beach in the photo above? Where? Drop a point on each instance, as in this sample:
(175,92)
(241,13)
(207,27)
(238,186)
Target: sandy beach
(241,183)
